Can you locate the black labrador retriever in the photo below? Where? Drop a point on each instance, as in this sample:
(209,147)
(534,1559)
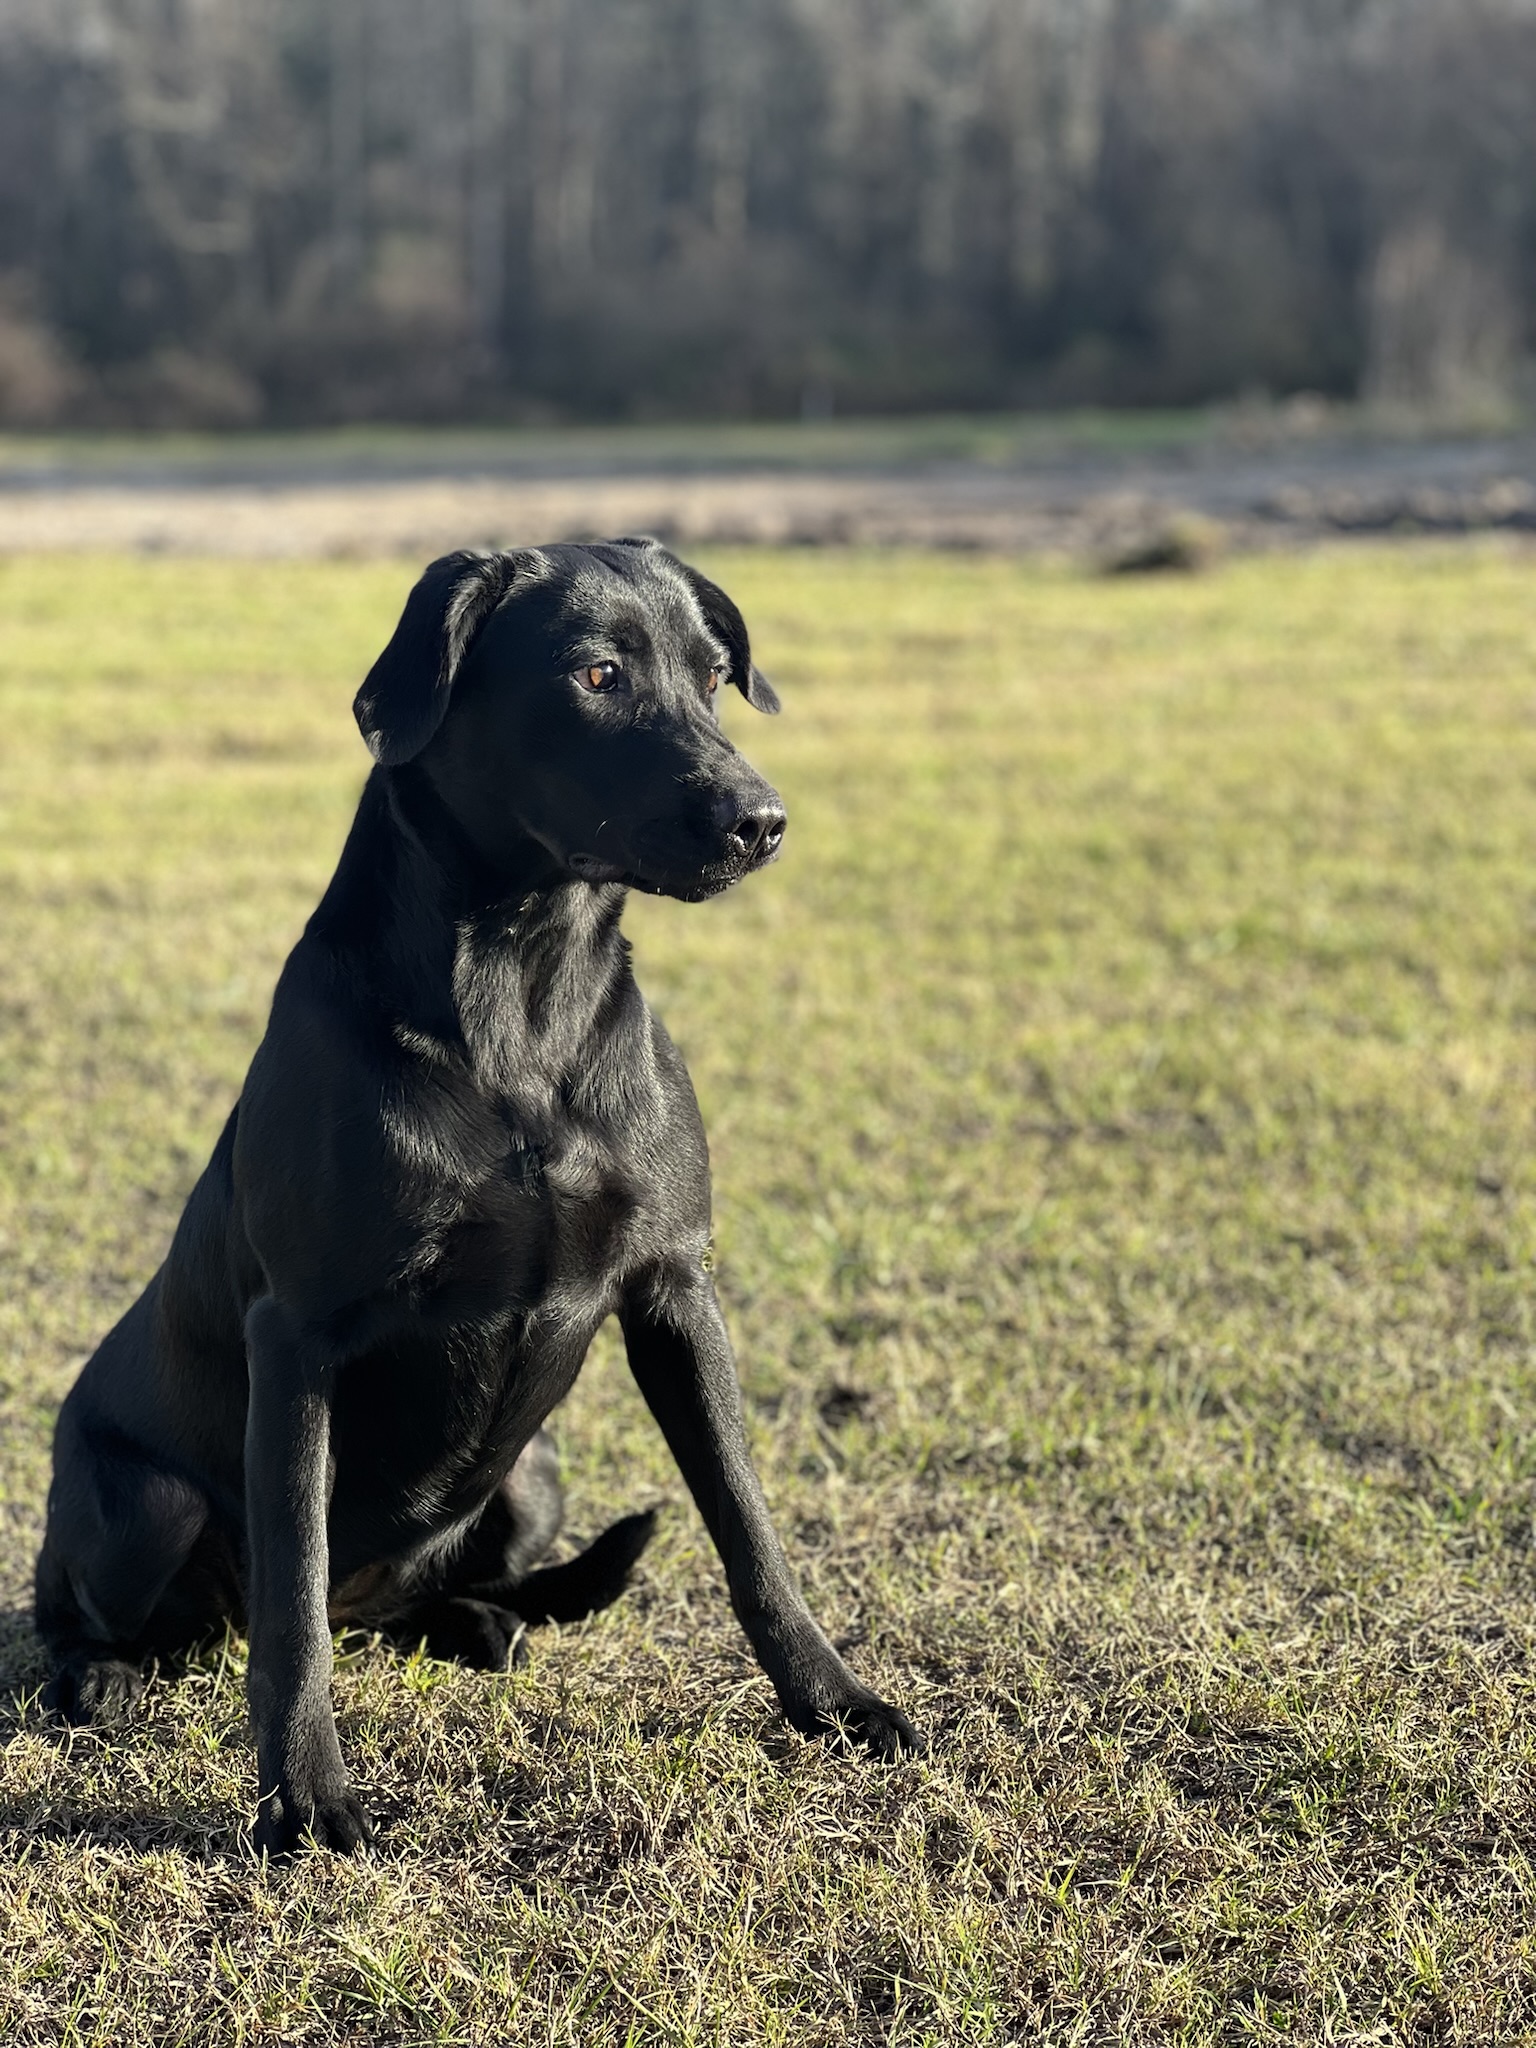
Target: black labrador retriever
(463,1142)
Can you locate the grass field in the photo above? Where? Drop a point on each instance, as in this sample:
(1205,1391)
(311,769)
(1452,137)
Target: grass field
(987,440)
(1122,1106)
(990,439)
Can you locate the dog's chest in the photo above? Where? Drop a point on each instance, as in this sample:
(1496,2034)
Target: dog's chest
(512,1274)
(548,1168)
(549,1224)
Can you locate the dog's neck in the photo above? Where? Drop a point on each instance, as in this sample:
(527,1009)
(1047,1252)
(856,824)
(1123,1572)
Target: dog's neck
(513,968)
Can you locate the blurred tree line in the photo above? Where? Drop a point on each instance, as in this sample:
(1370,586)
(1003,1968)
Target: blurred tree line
(223,211)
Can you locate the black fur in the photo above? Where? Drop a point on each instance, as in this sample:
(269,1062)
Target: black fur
(463,1142)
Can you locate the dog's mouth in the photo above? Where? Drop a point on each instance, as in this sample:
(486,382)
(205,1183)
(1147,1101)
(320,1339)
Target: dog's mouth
(695,887)
(591,868)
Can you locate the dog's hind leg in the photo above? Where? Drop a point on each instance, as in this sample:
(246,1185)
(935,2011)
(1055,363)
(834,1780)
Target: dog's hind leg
(121,1540)
(478,1608)
(589,1582)
(515,1527)
(460,1630)
(518,1526)
(461,1611)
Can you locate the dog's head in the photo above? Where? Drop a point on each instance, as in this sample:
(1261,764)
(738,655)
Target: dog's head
(569,694)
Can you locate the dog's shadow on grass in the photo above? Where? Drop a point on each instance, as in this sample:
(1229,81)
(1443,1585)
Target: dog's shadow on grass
(23,1668)
(71,1804)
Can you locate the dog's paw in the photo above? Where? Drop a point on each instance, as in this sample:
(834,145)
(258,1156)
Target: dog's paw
(333,1819)
(859,1719)
(89,1690)
(873,1724)
(475,1632)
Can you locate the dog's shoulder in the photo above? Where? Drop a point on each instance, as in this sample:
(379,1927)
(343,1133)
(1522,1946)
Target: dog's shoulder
(323,1194)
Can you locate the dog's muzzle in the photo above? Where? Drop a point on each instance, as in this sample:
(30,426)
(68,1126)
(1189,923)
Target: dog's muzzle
(744,833)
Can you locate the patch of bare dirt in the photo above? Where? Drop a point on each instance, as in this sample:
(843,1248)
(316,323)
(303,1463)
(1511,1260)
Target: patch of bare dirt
(1115,510)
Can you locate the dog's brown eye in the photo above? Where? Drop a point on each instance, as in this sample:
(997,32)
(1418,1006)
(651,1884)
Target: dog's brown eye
(714,680)
(598,675)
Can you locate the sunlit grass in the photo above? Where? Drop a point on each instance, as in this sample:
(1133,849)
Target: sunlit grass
(1121,1097)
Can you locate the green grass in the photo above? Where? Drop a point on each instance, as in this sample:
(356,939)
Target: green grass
(1124,1085)
(1001,440)
(994,439)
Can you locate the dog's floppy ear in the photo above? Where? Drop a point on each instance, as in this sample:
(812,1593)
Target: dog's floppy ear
(405,694)
(722,616)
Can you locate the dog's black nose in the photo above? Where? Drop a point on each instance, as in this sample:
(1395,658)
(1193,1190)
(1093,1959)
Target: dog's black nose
(753,831)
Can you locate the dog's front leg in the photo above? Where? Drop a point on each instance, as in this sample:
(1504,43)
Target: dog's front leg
(303,1782)
(681,1357)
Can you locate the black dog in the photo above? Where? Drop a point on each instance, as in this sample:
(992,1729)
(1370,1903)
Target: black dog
(463,1142)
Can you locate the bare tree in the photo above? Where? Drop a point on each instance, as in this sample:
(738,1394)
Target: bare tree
(230,209)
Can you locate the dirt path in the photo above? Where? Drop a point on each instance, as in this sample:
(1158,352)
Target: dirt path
(1097,506)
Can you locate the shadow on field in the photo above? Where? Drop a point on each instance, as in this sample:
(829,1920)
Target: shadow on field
(205,1837)
(23,1663)
(93,1785)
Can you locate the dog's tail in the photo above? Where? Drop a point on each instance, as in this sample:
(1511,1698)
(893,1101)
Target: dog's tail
(588,1583)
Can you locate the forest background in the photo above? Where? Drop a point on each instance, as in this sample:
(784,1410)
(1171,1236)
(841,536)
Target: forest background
(230,213)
